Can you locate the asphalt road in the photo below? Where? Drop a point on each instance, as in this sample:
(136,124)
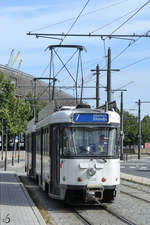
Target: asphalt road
(139,168)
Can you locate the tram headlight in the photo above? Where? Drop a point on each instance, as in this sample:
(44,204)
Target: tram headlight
(91,171)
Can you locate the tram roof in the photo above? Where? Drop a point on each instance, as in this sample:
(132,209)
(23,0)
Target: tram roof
(66,116)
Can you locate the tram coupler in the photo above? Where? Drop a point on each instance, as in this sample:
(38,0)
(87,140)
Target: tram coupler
(94,191)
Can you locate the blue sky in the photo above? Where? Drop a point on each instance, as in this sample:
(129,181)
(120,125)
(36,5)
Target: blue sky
(19,17)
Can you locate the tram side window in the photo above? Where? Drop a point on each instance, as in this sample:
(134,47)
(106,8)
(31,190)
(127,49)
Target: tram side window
(112,142)
(61,140)
(68,143)
(65,144)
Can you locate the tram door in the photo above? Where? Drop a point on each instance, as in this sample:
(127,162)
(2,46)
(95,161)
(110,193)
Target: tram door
(55,161)
(33,172)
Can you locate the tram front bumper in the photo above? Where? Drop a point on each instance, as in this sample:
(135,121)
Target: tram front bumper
(94,192)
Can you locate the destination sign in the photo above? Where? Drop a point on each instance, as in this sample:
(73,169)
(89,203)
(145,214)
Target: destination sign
(90,117)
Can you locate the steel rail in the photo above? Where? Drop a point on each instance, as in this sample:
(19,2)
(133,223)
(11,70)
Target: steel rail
(110,211)
(134,196)
(122,218)
(82,218)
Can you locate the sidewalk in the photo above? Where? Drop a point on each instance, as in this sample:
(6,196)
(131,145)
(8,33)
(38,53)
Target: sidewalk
(137,179)
(16,206)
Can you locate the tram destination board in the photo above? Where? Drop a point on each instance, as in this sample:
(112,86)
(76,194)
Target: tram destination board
(90,118)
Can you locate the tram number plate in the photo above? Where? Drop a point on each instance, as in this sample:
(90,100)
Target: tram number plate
(90,117)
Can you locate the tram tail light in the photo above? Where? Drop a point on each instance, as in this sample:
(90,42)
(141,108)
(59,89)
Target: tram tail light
(79,179)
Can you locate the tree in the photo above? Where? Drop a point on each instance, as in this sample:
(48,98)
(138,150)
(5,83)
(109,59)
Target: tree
(39,104)
(14,113)
(145,124)
(130,125)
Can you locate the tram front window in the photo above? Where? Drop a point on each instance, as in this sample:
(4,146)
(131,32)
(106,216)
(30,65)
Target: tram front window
(89,141)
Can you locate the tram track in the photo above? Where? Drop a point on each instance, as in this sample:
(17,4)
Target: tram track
(97,214)
(136,195)
(122,218)
(85,221)
(82,218)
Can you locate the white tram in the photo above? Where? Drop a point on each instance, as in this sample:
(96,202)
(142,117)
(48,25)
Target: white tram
(73,153)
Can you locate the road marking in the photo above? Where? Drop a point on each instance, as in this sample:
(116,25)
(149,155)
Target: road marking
(132,167)
(143,167)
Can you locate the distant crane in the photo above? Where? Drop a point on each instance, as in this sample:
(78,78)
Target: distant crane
(12,61)
(18,53)
(19,65)
(10,58)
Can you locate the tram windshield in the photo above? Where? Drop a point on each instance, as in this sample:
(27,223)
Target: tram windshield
(83,141)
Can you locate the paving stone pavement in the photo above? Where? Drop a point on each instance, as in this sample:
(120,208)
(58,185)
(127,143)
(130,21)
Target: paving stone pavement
(16,206)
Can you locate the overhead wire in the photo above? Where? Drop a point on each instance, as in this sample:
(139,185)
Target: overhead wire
(129,45)
(85,14)
(139,9)
(130,17)
(115,20)
(136,62)
(133,41)
(69,31)
(64,65)
(75,21)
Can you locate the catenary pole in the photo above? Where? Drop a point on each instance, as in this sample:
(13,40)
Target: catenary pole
(97,86)
(97,70)
(139,129)
(109,76)
(121,127)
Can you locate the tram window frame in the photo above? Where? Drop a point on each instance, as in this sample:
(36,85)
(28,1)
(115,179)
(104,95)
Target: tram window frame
(61,144)
(45,141)
(116,150)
